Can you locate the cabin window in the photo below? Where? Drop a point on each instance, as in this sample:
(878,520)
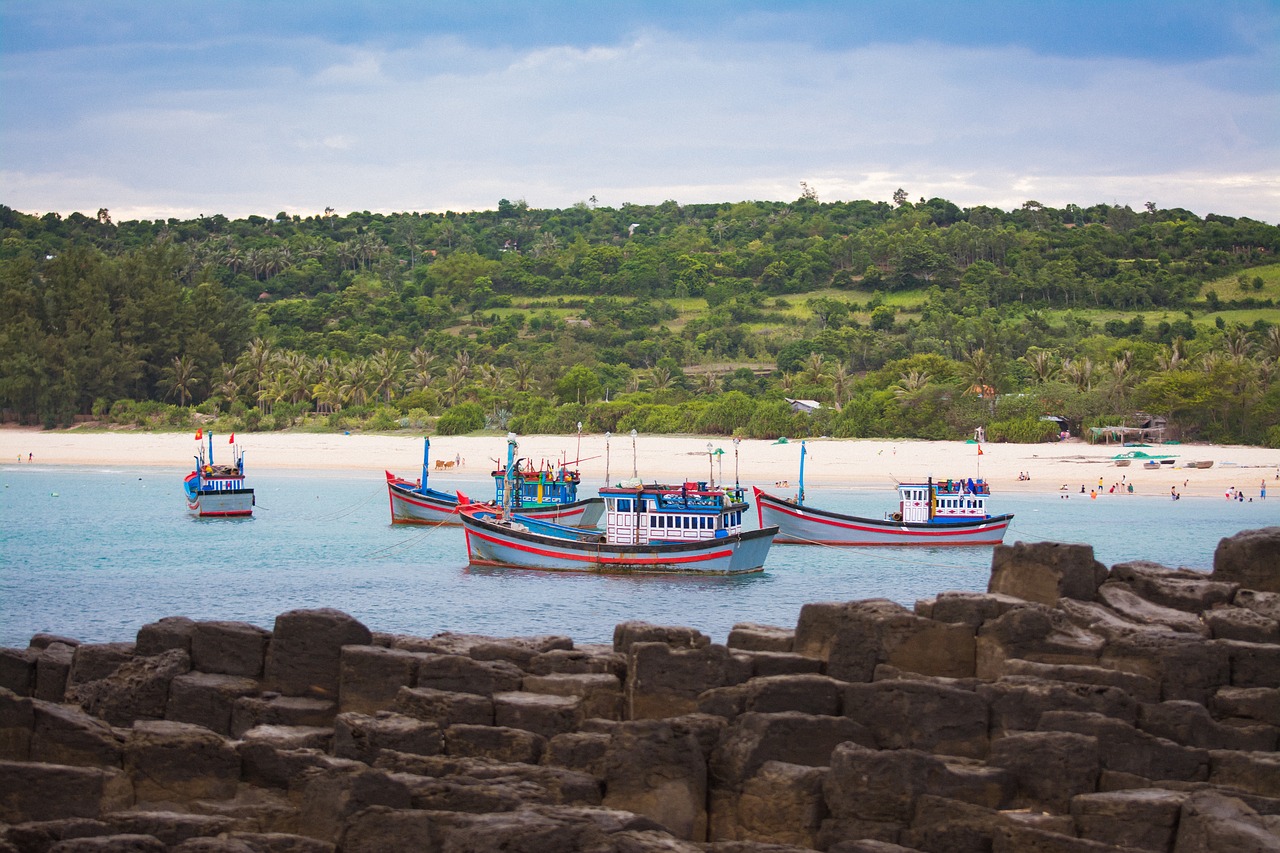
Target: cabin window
(624,506)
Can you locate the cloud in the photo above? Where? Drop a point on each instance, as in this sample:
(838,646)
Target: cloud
(441,123)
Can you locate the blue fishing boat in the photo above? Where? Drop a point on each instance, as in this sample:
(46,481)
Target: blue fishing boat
(690,528)
(933,512)
(547,492)
(218,491)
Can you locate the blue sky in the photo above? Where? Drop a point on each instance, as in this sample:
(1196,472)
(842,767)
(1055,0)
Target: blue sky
(183,108)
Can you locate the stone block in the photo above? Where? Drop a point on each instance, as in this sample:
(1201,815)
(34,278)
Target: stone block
(1045,571)
(1017,702)
(1124,601)
(908,714)
(880,787)
(807,694)
(1125,749)
(853,638)
(1255,772)
(304,658)
(274,710)
(1248,703)
(37,791)
(626,634)
(94,661)
(369,677)
(595,659)
(652,768)
(519,650)
(1250,665)
(969,608)
(270,759)
(1181,589)
(1211,822)
(792,737)
(766,664)
(18,670)
(229,648)
(600,694)
(330,797)
(1050,767)
(362,737)
(542,713)
(63,734)
(663,681)
(169,828)
(180,762)
(53,668)
(1140,687)
(495,742)
(580,751)
(17,724)
(206,699)
(1185,666)
(753,637)
(444,707)
(1251,559)
(459,674)
(1035,633)
(1190,724)
(1144,819)
(171,632)
(940,823)
(137,690)
(1018,838)
(781,804)
(378,829)
(1263,603)
(1241,623)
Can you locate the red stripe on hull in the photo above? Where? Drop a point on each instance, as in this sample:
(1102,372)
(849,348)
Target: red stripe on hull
(597,557)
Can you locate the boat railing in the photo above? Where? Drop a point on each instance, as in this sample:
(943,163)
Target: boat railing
(963,487)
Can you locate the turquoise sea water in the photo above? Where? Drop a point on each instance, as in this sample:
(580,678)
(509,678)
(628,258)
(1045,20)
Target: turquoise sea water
(95,554)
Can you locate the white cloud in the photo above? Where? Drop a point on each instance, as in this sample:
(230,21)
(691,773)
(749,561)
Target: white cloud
(438,125)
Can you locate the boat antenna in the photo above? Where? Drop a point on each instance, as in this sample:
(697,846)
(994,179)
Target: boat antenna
(736,484)
(803,452)
(607,436)
(511,458)
(579,454)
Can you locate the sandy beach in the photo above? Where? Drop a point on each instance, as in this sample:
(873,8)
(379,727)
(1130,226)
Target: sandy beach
(854,463)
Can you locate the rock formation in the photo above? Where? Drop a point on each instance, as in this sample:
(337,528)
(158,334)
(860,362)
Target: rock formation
(1069,708)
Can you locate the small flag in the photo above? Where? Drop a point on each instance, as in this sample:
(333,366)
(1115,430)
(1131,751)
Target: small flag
(199,434)
(232,440)
(979,449)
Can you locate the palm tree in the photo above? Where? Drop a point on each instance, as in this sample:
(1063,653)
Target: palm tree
(979,369)
(815,368)
(1079,373)
(228,384)
(455,379)
(255,363)
(522,375)
(181,376)
(660,378)
(911,382)
(1041,363)
(387,367)
(840,381)
(421,362)
(710,382)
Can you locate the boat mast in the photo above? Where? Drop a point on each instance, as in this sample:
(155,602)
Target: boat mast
(803,452)
(211,448)
(509,502)
(426,453)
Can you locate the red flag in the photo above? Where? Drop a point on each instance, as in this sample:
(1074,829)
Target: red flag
(979,449)
(199,434)
(232,440)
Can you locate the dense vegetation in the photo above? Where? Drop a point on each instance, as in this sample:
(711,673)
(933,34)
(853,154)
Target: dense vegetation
(905,319)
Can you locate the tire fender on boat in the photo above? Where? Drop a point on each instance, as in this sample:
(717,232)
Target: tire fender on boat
(897,516)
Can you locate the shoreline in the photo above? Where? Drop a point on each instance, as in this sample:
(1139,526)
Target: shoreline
(852,463)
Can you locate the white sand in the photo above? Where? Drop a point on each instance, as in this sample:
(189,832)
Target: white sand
(854,463)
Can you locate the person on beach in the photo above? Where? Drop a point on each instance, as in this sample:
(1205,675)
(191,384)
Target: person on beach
(1262,494)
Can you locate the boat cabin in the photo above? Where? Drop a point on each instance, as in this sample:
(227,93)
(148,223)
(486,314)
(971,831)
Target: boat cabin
(689,512)
(943,500)
(544,485)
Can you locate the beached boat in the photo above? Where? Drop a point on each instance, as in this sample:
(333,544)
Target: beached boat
(547,493)
(691,528)
(218,491)
(935,512)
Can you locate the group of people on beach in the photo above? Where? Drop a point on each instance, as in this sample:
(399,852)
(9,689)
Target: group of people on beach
(31,457)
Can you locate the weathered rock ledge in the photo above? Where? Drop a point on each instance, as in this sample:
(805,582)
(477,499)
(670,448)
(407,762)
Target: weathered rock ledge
(1069,708)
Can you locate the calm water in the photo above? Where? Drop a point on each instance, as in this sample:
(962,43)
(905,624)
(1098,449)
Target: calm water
(97,554)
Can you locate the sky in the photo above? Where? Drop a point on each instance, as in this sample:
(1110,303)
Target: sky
(184,108)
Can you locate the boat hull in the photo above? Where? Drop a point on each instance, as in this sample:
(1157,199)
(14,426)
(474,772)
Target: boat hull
(803,525)
(224,503)
(411,505)
(491,543)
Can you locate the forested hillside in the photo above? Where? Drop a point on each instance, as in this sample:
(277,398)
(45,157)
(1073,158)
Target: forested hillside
(903,319)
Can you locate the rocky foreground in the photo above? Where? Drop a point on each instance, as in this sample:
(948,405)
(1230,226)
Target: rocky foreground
(1070,708)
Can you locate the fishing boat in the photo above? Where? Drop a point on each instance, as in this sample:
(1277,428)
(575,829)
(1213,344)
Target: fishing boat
(218,491)
(690,528)
(546,492)
(935,512)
